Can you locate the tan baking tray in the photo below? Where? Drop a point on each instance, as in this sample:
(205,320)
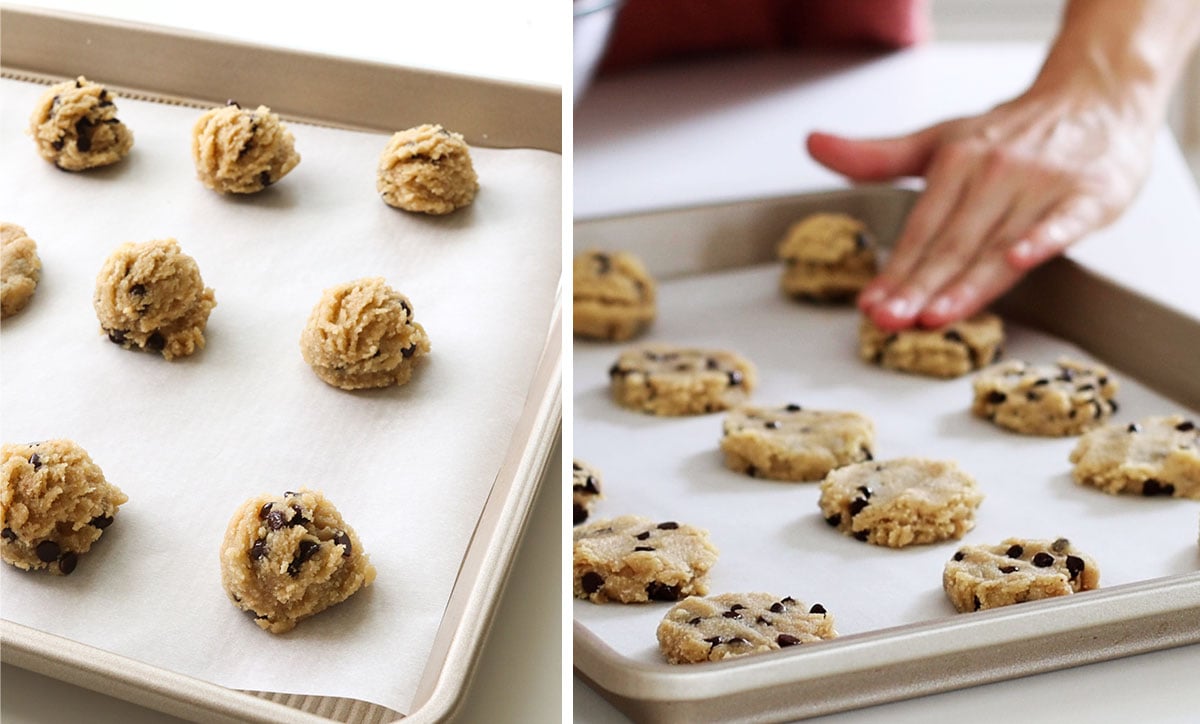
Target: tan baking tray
(346,94)
(901,662)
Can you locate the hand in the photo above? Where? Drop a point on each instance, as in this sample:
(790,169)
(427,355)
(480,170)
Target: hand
(1005,191)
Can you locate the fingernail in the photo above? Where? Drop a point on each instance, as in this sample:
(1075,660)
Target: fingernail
(871,297)
(901,308)
(941,307)
(1021,251)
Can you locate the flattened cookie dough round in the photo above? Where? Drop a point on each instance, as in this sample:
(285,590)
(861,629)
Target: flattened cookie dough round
(75,126)
(585,489)
(1067,398)
(791,443)
(427,169)
(632,559)
(614,296)
(54,506)
(1153,456)
(901,502)
(827,258)
(665,380)
(287,557)
(242,151)
(150,296)
(20,269)
(738,624)
(951,351)
(1017,570)
(362,334)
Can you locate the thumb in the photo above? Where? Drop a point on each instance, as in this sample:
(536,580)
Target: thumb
(875,159)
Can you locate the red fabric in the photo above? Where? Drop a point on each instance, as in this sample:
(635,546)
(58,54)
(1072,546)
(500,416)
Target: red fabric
(650,30)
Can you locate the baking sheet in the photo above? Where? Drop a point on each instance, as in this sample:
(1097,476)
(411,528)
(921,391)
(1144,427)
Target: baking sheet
(771,534)
(410,468)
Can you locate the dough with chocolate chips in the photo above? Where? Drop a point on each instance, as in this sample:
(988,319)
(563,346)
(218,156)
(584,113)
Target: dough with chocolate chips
(55,504)
(900,502)
(75,126)
(827,258)
(1153,456)
(585,489)
(287,557)
(790,443)
(20,269)
(1066,398)
(362,334)
(1017,570)
(632,559)
(738,624)
(951,351)
(241,151)
(613,296)
(663,379)
(427,169)
(150,296)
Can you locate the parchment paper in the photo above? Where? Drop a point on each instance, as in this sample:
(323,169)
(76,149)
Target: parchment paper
(771,534)
(410,467)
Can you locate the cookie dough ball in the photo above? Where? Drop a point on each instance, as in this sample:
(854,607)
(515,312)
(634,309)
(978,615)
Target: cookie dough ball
(150,296)
(75,126)
(738,624)
(54,506)
(20,269)
(901,502)
(632,559)
(950,351)
(1066,398)
(242,151)
(662,379)
(613,296)
(827,258)
(585,489)
(427,169)
(361,334)
(1018,570)
(790,443)
(287,557)
(1154,456)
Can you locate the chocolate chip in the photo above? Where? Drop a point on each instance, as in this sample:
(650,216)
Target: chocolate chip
(67,563)
(995,397)
(581,513)
(1041,381)
(8,534)
(793,407)
(642,548)
(1043,560)
(1112,406)
(778,607)
(978,603)
(298,518)
(1186,426)
(1032,396)
(78,84)
(736,641)
(818,608)
(959,555)
(116,336)
(1133,427)
(275,520)
(864,491)
(307,549)
(232,102)
(952,335)
(258,551)
(57,145)
(591,582)
(591,485)
(866,453)
(616,371)
(661,592)
(1098,409)
(1075,565)
(101,521)
(669,525)
(763,621)
(736,607)
(603,263)
(643,536)
(1007,569)
(1085,388)
(695,621)
(857,505)
(834,520)
(1152,487)
(752,471)
(156,341)
(786,640)
(862,535)
(787,600)
(36,461)
(47,551)
(735,378)
(712,364)
(1015,551)
(771,425)
(83,132)
(732,614)
(342,539)
(262,512)
(138,290)
(861,240)
(715,641)
(1060,545)
(264,178)
(408,310)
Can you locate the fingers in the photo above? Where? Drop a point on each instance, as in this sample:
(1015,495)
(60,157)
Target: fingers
(1068,222)
(875,159)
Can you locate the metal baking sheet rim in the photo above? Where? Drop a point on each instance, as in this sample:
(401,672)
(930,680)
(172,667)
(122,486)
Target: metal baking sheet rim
(920,659)
(501,525)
